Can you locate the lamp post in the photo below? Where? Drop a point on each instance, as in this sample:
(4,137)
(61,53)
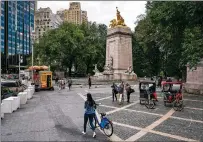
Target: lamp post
(16,32)
(32,42)
(19,57)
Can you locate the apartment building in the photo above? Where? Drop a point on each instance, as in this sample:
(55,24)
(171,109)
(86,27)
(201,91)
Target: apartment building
(61,13)
(74,14)
(45,20)
(84,17)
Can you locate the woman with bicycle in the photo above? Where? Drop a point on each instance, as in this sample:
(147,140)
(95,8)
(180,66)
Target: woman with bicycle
(90,107)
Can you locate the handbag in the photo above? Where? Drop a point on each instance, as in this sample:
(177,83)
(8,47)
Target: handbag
(120,97)
(132,90)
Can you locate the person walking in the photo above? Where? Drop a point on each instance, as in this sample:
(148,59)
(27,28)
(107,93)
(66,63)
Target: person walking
(114,91)
(69,83)
(89,82)
(128,91)
(56,80)
(121,92)
(90,107)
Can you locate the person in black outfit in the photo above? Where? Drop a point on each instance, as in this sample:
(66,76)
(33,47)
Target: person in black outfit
(90,107)
(89,82)
(128,92)
(114,91)
(56,80)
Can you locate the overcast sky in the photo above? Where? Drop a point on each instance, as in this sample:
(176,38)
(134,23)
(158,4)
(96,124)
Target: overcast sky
(103,11)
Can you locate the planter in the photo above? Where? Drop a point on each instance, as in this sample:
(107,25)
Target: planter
(8,105)
(16,102)
(29,93)
(23,97)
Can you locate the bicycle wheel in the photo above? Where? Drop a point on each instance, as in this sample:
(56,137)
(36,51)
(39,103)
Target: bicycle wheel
(108,129)
(178,105)
(165,99)
(149,104)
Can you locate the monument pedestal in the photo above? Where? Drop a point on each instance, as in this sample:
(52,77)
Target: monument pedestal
(194,83)
(118,55)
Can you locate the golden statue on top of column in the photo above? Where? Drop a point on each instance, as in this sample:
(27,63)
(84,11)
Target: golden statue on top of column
(119,22)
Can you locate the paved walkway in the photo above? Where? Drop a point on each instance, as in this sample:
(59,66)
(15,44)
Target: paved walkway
(58,116)
(48,116)
(134,122)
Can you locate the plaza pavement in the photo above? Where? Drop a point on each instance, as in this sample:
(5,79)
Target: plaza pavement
(58,116)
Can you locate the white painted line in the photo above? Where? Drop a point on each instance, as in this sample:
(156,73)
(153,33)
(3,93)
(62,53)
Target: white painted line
(162,119)
(194,108)
(124,107)
(190,120)
(129,126)
(155,132)
(193,100)
(113,137)
(108,106)
(186,100)
(132,110)
(156,114)
(172,136)
(104,98)
(150,127)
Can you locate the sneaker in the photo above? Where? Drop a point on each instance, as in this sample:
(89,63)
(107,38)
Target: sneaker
(94,135)
(83,133)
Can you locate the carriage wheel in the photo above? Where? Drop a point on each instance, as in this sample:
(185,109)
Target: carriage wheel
(178,105)
(165,99)
(149,104)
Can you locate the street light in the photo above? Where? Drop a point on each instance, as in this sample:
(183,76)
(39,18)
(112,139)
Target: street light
(32,54)
(20,58)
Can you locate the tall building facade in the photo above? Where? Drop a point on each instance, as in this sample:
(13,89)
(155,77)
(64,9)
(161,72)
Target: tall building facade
(17,22)
(74,14)
(61,14)
(45,20)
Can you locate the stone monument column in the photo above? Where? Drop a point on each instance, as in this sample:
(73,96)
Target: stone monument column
(118,65)
(119,47)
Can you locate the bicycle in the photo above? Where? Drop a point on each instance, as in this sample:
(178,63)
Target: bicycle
(104,124)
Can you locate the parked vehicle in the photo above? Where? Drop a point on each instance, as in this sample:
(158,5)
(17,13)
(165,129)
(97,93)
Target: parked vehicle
(13,85)
(148,93)
(173,94)
(43,80)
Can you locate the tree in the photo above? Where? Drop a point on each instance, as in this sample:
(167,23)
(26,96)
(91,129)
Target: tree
(81,45)
(172,30)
